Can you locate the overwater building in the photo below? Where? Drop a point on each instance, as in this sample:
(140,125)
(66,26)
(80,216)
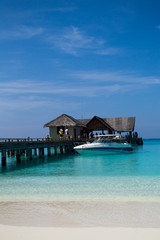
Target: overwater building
(80,128)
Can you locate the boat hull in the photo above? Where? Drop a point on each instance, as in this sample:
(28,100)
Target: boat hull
(104,151)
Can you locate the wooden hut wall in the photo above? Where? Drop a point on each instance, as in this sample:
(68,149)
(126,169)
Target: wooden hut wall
(74,132)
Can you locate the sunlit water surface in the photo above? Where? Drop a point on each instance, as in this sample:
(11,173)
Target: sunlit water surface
(134,176)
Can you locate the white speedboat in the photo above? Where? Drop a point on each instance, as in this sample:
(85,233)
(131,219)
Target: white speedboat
(105,144)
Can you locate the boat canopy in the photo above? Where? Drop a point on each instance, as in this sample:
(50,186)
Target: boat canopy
(108,136)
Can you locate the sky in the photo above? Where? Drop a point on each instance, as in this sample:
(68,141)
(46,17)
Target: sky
(79,57)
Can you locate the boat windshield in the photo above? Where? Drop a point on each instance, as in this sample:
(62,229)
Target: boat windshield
(107,138)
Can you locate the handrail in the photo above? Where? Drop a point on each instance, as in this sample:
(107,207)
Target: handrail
(17,140)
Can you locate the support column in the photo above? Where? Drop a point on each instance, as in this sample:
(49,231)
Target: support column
(49,151)
(17,155)
(3,158)
(9,153)
(30,154)
(61,149)
(66,149)
(26,153)
(22,151)
(12,153)
(41,152)
(55,150)
(70,149)
(35,151)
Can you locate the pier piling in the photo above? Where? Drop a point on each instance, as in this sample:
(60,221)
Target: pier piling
(18,156)
(30,154)
(35,152)
(3,158)
(30,147)
(66,149)
(26,153)
(11,153)
(55,150)
(49,151)
(41,152)
(61,149)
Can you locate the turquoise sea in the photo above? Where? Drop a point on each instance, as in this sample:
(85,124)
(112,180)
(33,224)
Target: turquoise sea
(134,176)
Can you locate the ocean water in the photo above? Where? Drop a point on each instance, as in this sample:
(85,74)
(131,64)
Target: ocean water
(134,176)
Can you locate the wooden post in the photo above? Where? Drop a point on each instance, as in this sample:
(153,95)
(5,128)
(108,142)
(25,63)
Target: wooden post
(66,149)
(49,151)
(35,151)
(70,148)
(30,154)
(61,149)
(12,153)
(130,134)
(26,153)
(9,153)
(55,150)
(17,155)
(41,152)
(3,158)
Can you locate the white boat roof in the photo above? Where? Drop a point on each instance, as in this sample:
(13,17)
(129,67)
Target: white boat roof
(108,135)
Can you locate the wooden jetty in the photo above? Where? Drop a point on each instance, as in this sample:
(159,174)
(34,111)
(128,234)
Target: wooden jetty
(29,146)
(35,146)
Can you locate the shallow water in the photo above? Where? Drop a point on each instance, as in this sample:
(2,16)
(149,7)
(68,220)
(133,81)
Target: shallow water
(134,176)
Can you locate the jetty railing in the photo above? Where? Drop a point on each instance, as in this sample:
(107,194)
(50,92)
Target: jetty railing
(17,140)
(33,146)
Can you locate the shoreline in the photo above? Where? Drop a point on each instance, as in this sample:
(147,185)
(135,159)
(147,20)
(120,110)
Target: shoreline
(89,199)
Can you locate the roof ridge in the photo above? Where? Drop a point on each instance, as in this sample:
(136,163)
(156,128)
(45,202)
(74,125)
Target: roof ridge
(70,118)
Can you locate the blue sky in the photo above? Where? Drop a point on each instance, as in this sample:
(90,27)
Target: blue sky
(82,58)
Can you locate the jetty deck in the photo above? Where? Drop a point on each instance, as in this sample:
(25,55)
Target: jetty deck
(32,146)
(35,146)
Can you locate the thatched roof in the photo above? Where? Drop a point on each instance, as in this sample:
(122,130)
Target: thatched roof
(125,124)
(84,121)
(64,120)
(97,123)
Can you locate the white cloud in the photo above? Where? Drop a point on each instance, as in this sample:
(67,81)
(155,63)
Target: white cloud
(21,32)
(71,41)
(24,104)
(74,41)
(26,94)
(112,77)
(109,51)
(40,89)
(90,83)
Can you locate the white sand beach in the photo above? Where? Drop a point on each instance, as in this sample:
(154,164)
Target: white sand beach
(81,214)
(40,233)
(79,220)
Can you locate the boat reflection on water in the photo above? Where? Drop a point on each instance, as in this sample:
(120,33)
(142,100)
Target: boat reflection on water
(105,144)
